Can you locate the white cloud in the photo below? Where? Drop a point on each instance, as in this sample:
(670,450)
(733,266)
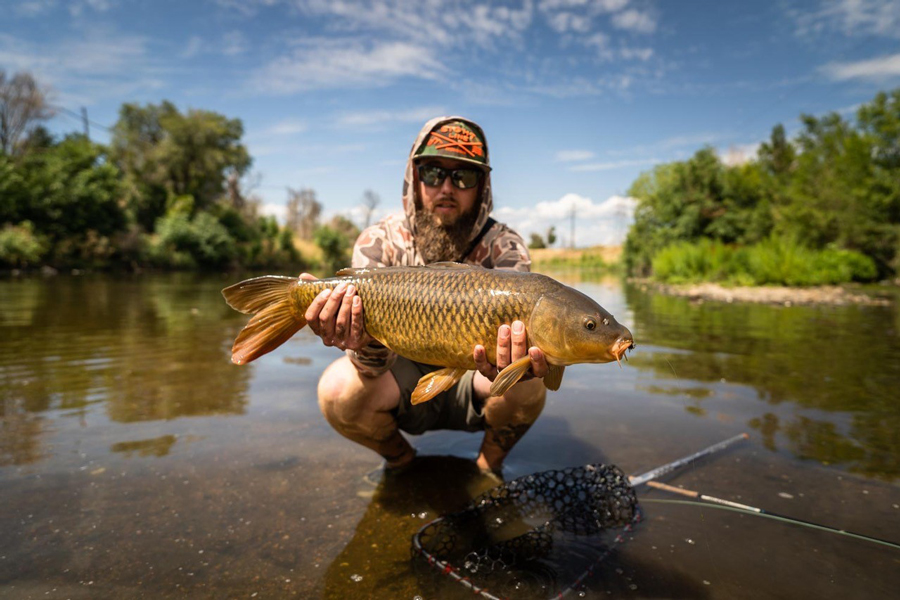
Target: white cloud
(596,6)
(287,127)
(436,22)
(566,21)
(850,17)
(326,64)
(246,8)
(693,140)
(234,43)
(740,154)
(34,8)
(874,69)
(635,20)
(102,63)
(76,8)
(486,24)
(273,209)
(381,117)
(574,155)
(604,223)
(617,164)
(194,46)
(643,54)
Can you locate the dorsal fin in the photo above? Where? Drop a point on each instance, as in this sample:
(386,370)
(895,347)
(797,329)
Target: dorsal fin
(352,271)
(449,264)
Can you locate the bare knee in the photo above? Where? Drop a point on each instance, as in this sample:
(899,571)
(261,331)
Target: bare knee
(522,403)
(346,396)
(340,392)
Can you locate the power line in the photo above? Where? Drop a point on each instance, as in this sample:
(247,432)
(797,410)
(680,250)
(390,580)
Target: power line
(81,116)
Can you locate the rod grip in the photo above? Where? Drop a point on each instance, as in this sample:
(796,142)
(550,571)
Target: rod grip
(673,489)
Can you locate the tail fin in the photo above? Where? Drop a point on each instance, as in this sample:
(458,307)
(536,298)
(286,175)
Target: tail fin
(274,322)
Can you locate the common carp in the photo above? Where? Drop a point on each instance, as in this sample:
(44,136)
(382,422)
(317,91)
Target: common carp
(436,314)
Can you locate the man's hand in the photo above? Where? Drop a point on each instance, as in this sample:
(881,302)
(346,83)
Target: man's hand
(336,316)
(511,346)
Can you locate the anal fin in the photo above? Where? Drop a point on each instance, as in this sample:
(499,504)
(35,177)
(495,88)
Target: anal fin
(553,378)
(510,375)
(436,382)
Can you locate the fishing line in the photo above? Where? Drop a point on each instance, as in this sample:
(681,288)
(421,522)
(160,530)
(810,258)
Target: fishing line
(758,512)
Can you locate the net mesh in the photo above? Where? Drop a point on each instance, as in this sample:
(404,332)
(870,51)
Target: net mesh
(517,526)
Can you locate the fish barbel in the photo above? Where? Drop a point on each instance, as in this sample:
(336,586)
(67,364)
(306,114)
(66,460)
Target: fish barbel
(436,314)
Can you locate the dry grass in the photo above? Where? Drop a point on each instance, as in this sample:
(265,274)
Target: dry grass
(308,249)
(609,255)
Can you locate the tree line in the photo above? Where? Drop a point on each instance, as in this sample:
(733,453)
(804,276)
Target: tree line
(169,191)
(822,207)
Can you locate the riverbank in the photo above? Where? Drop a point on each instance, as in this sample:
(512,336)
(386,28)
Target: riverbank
(785,296)
(605,257)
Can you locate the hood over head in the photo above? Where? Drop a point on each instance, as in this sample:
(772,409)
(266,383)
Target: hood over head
(483,160)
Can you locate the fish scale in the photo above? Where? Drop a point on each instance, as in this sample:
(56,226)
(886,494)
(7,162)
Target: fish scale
(433,315)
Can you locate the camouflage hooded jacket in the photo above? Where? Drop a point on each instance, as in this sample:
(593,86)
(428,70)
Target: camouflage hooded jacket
(392,242)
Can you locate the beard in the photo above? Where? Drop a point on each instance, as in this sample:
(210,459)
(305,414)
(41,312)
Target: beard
(438,240)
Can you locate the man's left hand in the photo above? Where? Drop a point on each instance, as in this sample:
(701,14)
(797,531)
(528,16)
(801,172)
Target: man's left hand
(512,344)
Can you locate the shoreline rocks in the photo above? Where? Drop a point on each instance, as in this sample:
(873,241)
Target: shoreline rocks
(785,296)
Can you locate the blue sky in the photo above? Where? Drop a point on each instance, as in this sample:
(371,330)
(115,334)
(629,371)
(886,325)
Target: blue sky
(577,97)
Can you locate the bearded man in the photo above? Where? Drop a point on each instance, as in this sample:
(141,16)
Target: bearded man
(365,395)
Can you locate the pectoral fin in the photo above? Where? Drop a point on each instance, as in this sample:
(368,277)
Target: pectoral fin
(553,378)
(436,382)
(510,375)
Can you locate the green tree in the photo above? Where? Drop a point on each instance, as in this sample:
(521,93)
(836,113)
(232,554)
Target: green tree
(537,242)
(335,247)
(71,193)
(834,188)
(165,153)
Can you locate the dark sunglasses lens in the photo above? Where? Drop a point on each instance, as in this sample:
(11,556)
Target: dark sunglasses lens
(432,175)
(465,179)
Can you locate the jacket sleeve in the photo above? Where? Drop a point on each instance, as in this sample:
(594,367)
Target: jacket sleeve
(371,251)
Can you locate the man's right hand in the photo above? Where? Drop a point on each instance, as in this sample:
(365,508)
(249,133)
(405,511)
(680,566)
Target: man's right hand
(337,317)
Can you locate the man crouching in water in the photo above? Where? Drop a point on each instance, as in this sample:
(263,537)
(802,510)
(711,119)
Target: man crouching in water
(365,395)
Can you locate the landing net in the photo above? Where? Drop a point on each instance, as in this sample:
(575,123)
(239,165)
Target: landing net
(541,534)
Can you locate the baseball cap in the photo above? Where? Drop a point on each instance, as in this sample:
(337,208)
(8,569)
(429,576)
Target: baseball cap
(456,140)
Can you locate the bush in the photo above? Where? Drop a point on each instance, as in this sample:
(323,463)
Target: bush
(704,260)
(20,246)
(202,241)
(335,247)
(774,261)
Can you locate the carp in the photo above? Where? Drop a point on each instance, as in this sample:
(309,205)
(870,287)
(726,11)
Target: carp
(436,314)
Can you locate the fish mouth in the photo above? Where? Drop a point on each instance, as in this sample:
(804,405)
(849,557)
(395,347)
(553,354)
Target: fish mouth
(620,347)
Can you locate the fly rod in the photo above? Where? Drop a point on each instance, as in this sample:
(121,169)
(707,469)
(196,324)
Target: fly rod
(637,480)
(761,511)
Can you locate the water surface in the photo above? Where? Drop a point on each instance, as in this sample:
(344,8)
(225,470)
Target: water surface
(136,461)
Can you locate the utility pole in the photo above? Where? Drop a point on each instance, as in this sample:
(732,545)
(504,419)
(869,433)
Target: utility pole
(572,226)
(84,119)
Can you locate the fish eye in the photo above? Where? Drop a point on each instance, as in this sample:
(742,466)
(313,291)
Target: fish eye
(590,324)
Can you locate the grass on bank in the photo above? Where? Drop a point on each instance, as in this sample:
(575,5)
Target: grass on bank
(600,258)
(775,261)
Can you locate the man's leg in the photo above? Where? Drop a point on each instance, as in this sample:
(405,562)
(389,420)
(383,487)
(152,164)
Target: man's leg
(359,408)
(507,417)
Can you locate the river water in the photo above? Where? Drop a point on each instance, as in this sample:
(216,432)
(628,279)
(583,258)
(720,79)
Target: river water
(137,462)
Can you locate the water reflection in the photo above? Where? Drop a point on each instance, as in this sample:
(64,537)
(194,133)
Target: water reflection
(158,446)
(143,349)
(376,562)
(835,369)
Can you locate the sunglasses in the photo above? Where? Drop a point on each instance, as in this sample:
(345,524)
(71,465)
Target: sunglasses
(464,179)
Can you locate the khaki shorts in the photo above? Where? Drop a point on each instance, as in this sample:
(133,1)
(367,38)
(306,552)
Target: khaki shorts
(456,409)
